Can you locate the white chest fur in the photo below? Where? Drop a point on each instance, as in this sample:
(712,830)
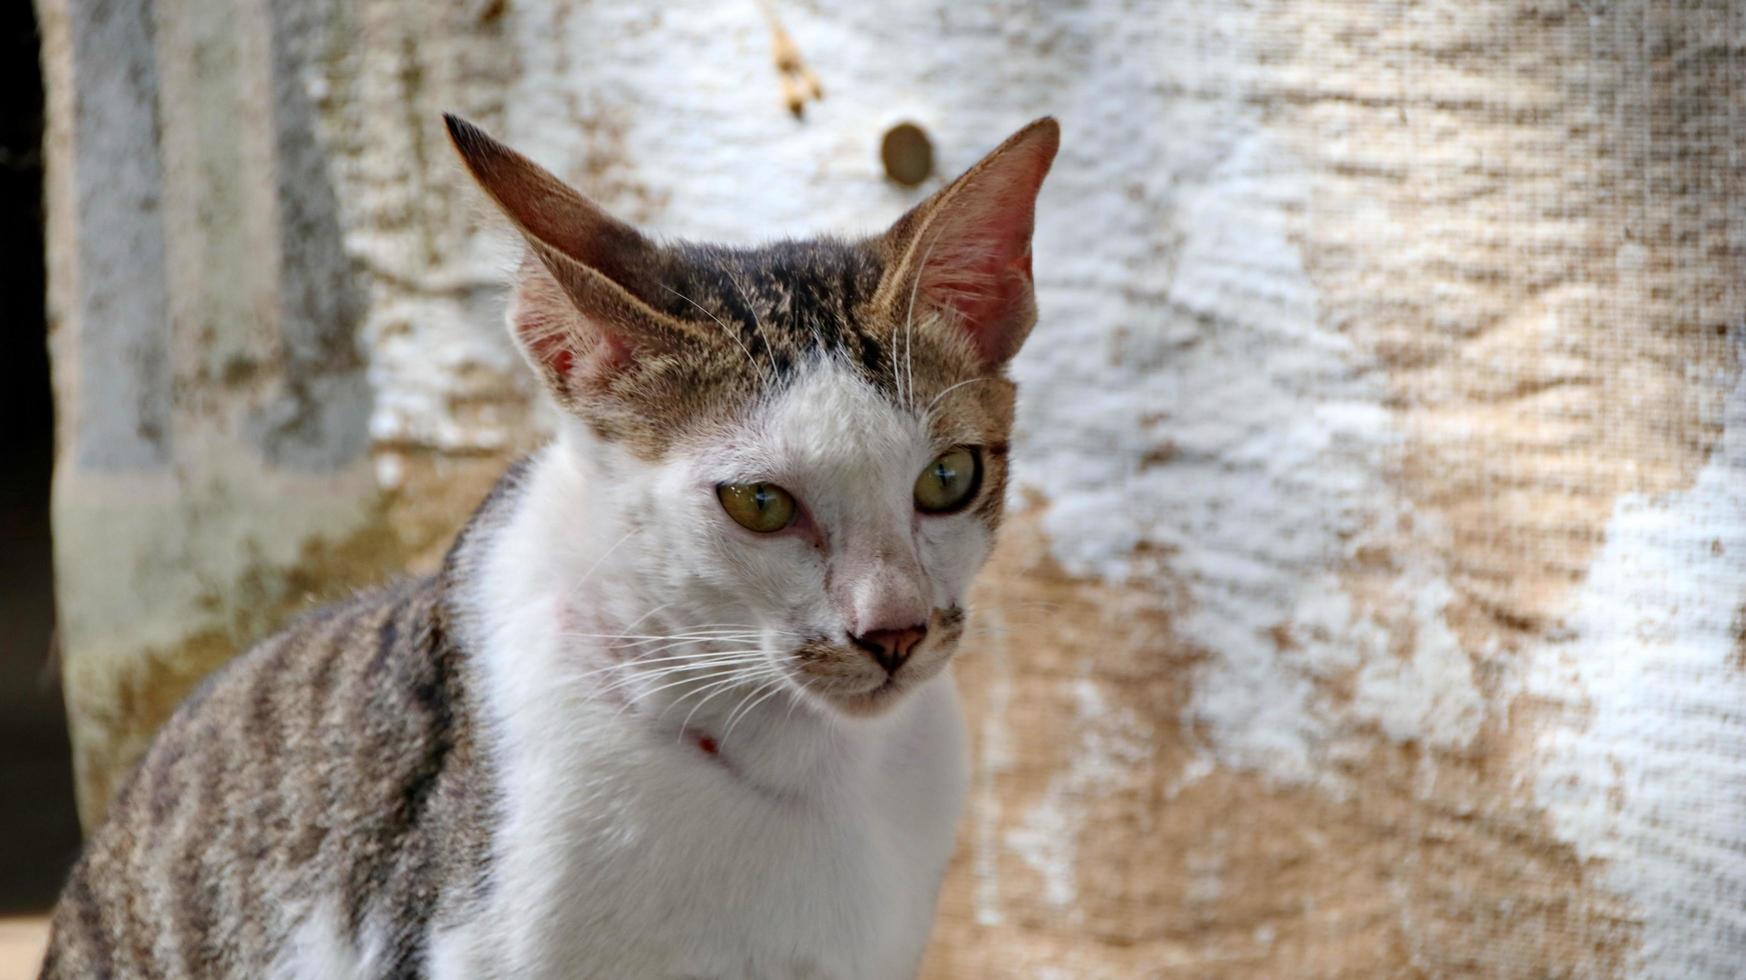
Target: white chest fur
(809,846)
(657,860)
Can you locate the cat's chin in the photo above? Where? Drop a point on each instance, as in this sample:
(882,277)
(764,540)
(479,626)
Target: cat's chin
(879,699)
(870,704)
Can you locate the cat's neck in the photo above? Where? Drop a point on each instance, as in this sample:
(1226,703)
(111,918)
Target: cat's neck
(569,611)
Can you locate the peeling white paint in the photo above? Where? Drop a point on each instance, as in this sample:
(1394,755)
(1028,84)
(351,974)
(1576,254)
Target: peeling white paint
(1273,448)
(1411,677)
(1646,773)
(1113,748)
(420,374)
(1430,694)
(1237,408)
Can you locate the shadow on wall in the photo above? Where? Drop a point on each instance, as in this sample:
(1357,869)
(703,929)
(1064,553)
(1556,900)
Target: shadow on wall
(39,830)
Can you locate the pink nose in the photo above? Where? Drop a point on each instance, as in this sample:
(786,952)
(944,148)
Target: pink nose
(890,648)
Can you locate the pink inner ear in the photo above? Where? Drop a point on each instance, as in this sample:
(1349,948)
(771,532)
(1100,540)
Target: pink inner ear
(559,339)
(554,353)
(558,353)
(977,262)
(984,277)
(982,294)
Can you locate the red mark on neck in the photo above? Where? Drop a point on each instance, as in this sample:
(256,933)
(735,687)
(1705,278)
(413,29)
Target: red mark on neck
(709,747)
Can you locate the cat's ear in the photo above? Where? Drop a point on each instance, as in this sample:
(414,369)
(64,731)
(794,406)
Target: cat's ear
(966,251)
(585,308)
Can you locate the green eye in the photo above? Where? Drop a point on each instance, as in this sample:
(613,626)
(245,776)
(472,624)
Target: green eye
(948,483)
(762,507)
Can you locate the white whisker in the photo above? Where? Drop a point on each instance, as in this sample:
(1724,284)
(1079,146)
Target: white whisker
(711,666)
(683,635)
(719,688)
(603,556)
(906,390)
(929,411)
(747,709)
(645,650)
(676,670)
(645,664)
(757,323)
(732,334)
(646,615)
(642,695)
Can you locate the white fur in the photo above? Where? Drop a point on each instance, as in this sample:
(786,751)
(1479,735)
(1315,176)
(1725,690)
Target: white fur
(318,947)
(814,843)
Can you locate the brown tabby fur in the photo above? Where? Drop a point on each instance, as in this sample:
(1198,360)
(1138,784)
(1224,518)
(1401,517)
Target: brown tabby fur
(338,757)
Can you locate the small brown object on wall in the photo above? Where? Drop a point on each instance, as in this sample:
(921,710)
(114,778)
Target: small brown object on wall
(907,153)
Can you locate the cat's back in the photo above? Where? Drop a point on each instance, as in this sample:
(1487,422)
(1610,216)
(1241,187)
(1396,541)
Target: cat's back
(320,792)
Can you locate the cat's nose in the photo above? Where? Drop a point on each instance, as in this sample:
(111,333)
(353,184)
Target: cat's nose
(890,648)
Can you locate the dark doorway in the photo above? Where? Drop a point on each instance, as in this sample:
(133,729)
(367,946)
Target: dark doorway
(39,832)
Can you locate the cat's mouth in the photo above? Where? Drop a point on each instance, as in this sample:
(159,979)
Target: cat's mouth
(848,680)
(840,677)
(845,679)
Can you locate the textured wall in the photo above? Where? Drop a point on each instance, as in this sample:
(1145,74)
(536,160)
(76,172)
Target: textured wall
(1376,598)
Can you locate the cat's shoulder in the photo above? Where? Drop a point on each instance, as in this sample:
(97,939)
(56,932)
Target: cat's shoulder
(393,648)
(322,667)
(353,638)
(335,759)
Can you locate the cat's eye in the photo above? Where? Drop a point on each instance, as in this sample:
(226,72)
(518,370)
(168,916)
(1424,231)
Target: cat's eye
(949,482)
(762,507)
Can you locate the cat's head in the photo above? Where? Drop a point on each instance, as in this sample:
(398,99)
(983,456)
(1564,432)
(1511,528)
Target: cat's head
(809,437)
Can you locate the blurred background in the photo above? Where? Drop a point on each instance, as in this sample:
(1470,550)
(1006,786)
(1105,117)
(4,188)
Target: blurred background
(1374,597)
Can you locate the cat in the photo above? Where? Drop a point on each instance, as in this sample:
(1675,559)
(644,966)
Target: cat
(677,703)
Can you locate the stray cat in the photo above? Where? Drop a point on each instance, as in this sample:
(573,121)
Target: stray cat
(676,704)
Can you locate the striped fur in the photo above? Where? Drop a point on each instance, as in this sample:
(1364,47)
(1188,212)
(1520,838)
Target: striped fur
(338,761)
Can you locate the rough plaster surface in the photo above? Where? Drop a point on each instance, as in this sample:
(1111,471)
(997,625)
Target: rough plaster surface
(1373,600)
(1647,780)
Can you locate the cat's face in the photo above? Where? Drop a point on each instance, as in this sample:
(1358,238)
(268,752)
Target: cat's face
(841,522)
(809,438)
